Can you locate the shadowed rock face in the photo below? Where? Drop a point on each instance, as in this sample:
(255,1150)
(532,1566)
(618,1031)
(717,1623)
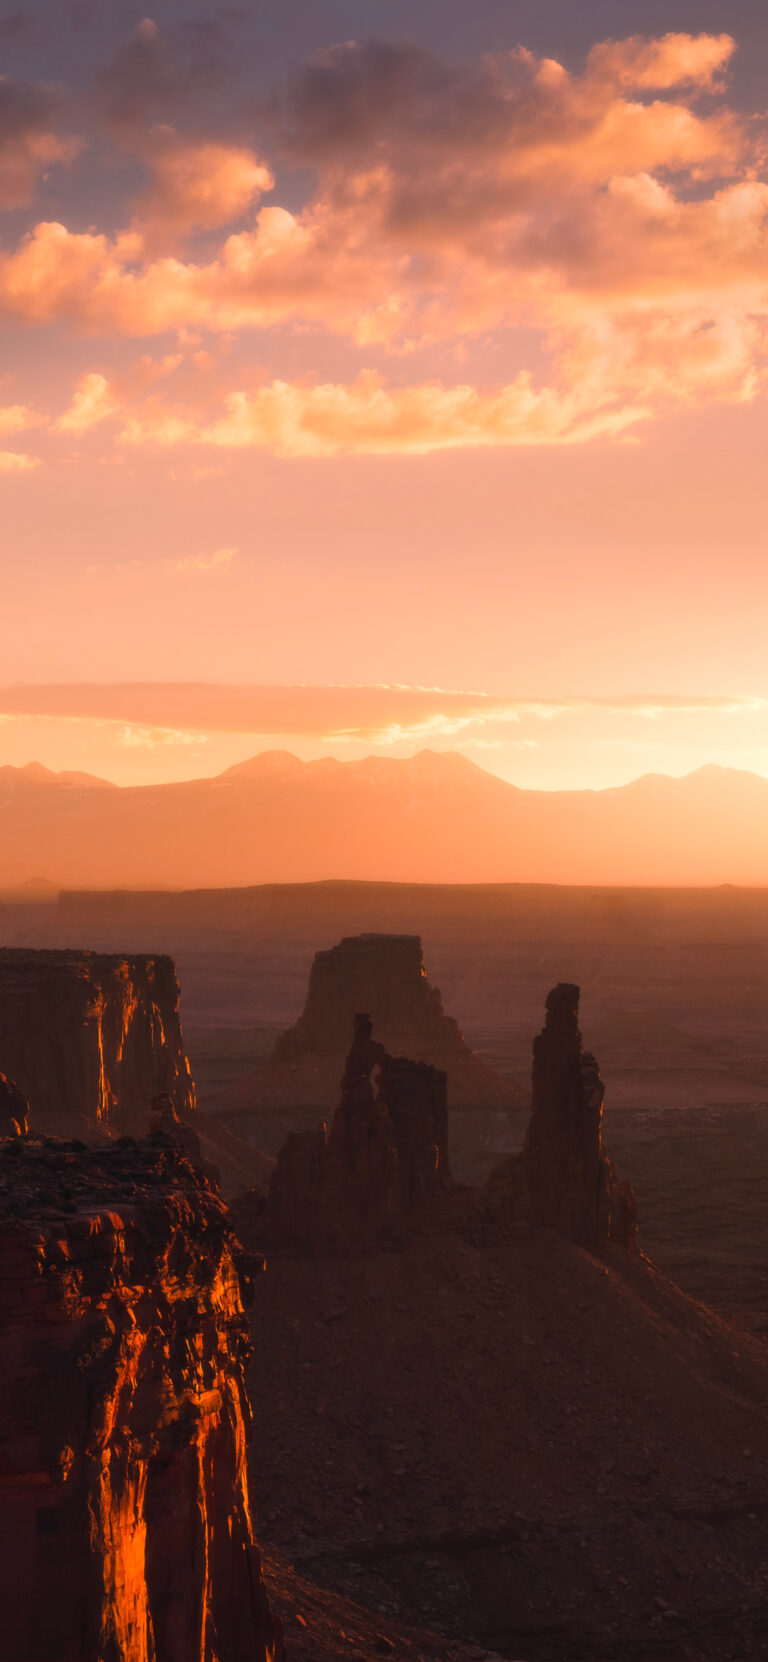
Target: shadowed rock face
(14,1109)
(90,1039)
(385,975)
(572,1185)
(124,1419)
(386,1156)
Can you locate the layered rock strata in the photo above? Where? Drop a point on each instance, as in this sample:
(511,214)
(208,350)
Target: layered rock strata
(385,1158)
(90,1039)
(385,975)
(124,1508)
(571,1183)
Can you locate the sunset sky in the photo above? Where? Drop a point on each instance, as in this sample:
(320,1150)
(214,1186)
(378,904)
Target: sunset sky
(381,375)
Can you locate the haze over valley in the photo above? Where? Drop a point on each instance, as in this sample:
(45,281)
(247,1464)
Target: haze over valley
(433,817)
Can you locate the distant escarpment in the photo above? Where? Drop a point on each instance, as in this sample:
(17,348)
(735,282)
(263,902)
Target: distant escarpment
(90,1039)
(384,975)
(383,1170)
(124,1505)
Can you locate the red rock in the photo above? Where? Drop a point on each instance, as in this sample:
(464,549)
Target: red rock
(385,1158)
(572,1185)
(14,1109)
(124,1509)
(91,1038)
(385,975)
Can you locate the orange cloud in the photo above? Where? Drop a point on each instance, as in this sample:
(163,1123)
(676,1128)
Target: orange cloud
(630,231)
(93,402)
(13,461)
(200,186)
(14,418)
(367,418)
(672,61)
(382,714)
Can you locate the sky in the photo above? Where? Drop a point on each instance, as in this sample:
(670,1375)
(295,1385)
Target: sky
(380,376)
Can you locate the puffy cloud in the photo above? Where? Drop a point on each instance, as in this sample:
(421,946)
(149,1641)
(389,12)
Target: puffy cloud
(29,142)
(368,418)
(201,185)
(630,230)
(672,61)
(372,714)
(93,402)
(13,461)
(14,418)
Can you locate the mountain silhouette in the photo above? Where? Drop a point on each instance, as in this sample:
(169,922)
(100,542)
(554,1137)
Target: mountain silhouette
(432,817)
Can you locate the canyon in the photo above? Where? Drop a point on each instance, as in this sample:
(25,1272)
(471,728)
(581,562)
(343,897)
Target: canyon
(486,1424)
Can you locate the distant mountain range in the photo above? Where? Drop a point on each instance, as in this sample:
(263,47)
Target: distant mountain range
(434,817)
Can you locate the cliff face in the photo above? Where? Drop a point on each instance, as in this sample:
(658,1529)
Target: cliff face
(124,1506)
(91,1038)
(572,1186)
(385,975)
(385,1158)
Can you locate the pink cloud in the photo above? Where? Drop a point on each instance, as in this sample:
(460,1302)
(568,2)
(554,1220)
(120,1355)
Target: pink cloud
(629,231)
(93,402)
(200,185)
(29,140)
(368,418)
(673,61)
(13,461)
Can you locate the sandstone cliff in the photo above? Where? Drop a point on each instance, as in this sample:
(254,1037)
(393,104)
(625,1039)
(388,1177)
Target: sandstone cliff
(124,1506)
(572,1186)
(384,1165)
(385,975)
(386,1156)
(91,1038)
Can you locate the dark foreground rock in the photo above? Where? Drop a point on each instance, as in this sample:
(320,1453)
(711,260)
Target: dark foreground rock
(124,1419)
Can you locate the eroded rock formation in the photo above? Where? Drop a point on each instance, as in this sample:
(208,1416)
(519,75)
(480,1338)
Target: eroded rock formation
(385,975)
(124,1506)
(571,1183)
(385,1158)
(90,1039)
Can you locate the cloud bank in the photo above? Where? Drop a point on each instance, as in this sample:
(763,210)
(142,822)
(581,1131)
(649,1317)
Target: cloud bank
(618,214)
(384,714)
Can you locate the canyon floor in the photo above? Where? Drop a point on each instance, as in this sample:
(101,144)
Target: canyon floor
(528,1448)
